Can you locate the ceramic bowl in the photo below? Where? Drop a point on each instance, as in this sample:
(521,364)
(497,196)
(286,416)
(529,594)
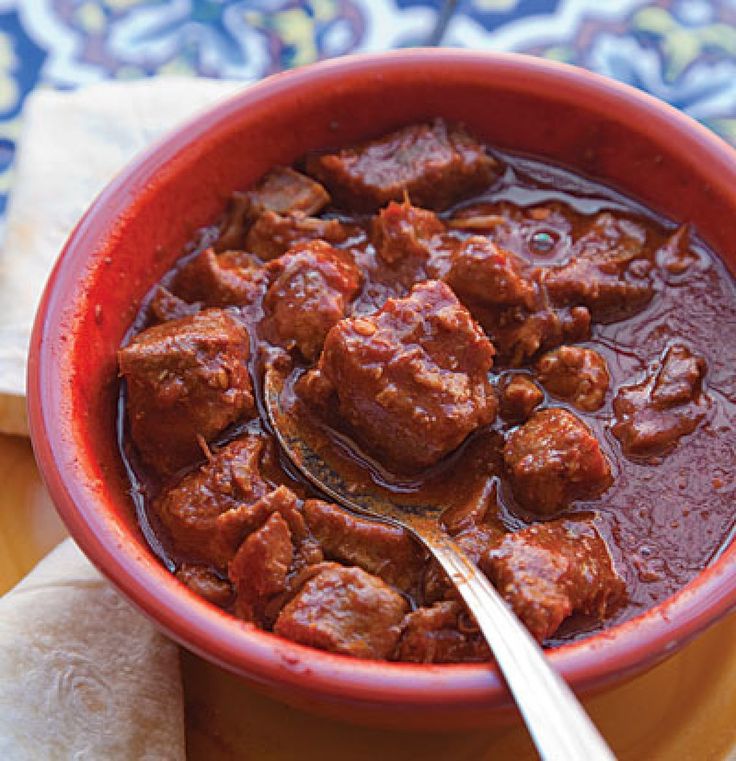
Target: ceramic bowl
(135,230)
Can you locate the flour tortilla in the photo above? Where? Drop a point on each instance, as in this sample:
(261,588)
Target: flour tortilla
(84,676)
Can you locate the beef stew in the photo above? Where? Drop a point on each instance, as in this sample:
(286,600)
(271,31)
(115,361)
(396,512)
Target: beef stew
(533,350)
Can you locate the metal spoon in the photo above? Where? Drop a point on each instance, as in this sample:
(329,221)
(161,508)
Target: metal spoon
(558,724)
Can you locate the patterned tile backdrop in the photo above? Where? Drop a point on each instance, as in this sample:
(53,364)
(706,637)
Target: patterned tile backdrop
(683,51)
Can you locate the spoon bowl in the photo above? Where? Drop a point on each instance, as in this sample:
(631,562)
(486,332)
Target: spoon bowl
(306,453)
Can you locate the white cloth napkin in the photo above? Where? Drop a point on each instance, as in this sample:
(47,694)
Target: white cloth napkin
(71,145)
(83,676)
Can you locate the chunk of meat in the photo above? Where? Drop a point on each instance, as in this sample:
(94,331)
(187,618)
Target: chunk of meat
(238,522)
(608,272)
(401,231)
(260,567)
(475,220)
(311,288)
(480,272)
(675,257)
(412,379)
(435,164)
(515,333)
(652,416)
(203,581)
(519,334)
(680,378)
(519,396)
(272,234)
(231,235)
(282,191)
(220,280)
(576,375)
(344,610)
(285,190)
(548,571)
(187,381)
(190,509)
(165,306)
(444,633)
(553,459)
(475,526)
(505,296)
(381,549)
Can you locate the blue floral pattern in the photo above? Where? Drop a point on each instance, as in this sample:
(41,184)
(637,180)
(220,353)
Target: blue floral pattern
(683,51)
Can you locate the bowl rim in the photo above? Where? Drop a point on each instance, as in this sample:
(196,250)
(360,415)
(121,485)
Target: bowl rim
(609,656)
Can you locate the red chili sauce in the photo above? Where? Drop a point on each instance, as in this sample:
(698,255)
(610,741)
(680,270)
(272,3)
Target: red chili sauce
(546,358)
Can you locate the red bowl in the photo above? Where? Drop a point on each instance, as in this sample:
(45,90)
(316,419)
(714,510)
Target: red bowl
(135,230)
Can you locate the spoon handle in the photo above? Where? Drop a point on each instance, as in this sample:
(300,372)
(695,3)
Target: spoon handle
(558,724)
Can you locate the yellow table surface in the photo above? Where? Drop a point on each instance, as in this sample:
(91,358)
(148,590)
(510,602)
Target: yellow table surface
(683,709)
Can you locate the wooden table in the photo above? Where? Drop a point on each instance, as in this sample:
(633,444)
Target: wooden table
(683,709)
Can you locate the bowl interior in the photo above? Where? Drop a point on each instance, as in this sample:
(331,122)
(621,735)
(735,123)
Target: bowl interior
(137,228)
